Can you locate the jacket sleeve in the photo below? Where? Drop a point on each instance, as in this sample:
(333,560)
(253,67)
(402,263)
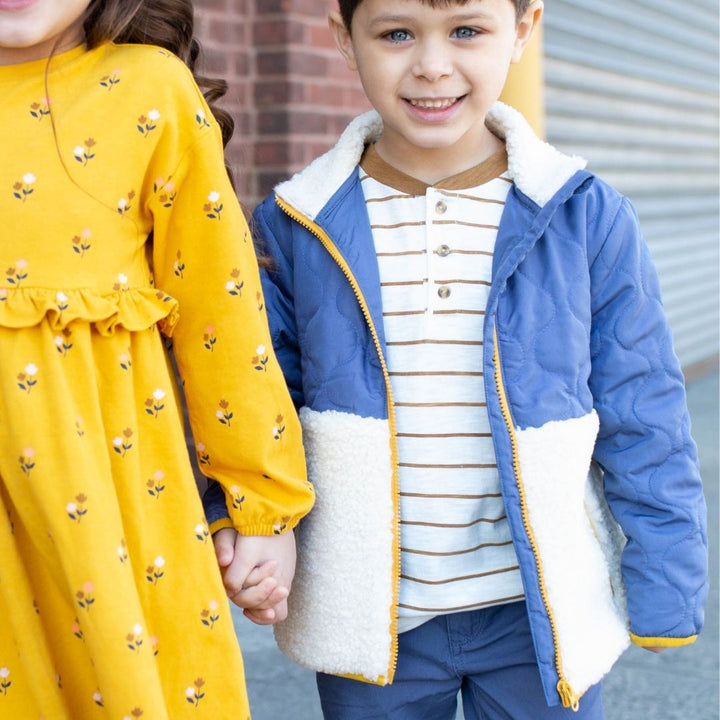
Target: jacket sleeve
(246,431)
(273,231)
(652,480)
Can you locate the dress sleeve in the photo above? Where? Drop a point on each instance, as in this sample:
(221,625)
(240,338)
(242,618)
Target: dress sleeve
(247,434)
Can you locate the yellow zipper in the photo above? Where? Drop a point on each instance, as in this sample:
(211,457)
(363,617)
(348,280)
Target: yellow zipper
(339,260)
(569,698)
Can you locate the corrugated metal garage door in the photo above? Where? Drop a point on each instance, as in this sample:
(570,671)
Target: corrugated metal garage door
(632,85)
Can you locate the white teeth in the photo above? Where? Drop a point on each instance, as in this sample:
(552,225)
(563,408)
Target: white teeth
(434,104)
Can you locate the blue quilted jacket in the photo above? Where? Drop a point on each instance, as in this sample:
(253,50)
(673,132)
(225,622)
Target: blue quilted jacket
(586,401)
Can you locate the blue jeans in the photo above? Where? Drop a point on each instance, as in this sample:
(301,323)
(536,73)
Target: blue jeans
(487,655)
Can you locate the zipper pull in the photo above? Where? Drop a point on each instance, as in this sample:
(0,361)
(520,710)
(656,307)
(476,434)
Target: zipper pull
(567,696)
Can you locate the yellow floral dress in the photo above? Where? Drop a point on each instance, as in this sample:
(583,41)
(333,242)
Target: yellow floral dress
(121,233)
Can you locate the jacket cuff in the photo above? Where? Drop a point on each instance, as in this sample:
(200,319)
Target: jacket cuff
(663,642)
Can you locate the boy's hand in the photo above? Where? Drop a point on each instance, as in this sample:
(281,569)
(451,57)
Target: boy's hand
(257,572)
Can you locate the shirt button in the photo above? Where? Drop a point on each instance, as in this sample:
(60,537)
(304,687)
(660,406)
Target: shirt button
(440,207)
(443,251)
(444,292)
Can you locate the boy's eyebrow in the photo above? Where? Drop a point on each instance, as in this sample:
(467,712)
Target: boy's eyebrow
(458,18)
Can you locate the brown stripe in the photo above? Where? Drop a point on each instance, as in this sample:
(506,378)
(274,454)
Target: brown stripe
(387,198)
(435,342)
(465,224)
(450,466)
(460,281)
(441,373)
(443,435)
(457,608)
(461,578)
(445,525)
(441,404)
(455,552)
(400,253)
(402,283)
(396,225)
(451,497)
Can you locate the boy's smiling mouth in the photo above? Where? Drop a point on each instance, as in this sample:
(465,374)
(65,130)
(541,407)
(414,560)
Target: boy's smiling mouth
(432,103)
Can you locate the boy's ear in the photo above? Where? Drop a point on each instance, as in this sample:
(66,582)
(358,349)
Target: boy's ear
(343,40)
(525,28)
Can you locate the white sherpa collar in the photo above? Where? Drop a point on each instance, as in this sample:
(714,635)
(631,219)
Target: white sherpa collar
(537,168)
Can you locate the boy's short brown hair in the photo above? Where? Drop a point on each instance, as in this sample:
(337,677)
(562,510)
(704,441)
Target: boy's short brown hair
(348,7)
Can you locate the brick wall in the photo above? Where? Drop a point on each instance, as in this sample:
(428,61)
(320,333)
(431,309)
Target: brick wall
(290,92)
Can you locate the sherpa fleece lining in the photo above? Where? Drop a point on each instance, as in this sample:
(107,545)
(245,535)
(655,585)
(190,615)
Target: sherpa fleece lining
(341,605)
(537,168)
(579,545)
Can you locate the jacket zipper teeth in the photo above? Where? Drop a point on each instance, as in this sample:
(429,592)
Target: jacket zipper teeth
(330,247)
(568,697)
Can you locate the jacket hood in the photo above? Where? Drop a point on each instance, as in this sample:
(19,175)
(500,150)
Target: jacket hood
(537,168)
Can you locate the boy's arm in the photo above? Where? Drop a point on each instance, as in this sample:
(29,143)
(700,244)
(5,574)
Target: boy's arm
(644,445)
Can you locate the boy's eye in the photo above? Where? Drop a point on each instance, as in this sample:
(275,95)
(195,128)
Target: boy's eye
(398,35)
(463,33)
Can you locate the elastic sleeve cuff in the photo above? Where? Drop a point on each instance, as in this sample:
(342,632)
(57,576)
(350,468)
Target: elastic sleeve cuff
(664,642)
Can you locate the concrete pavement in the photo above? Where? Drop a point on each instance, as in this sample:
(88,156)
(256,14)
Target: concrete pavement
(680,684)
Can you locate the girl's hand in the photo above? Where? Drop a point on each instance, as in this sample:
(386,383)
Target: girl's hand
(257,572)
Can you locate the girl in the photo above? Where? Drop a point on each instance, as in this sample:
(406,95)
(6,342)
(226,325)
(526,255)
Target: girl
(121,228)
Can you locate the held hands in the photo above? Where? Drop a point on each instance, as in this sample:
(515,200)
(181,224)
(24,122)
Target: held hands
(257,572)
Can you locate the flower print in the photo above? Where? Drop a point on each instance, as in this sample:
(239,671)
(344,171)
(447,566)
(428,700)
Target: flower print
(125,360)
(76,509)
(213,207)
(79,428)
(85,596)
(154,404)
(209,338)
(17,273)
(279,527)
(110,80)
(77,630)
(203,455)
(154,571)
(27,379)
(4,682)
(81,243)
(23,189)
(279,427)
(83,153)
(210,615)
(62,342)
(237,497)
(260,359)
(3,294)
(61,302)
(260,303)
(134,638)
(167,193)
(179,266)
(194,694)
(234,286)
(97,699)
(135,712)
(26,460)
(202,531)
(121,444)
(124,204)
(148,123)
(122,551)
(121,283)
(40,109)
(156,484)
(200,118)
(224,414)
(154,644)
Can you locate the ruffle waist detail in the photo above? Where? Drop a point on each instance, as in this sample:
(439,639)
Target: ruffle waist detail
(133,309)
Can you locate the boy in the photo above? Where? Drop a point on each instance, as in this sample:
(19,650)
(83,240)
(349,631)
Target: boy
(470,325)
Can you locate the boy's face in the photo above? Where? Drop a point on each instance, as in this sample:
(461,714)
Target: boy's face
(433,73)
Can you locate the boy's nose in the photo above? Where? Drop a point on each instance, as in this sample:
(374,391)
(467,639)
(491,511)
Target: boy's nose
(432,62)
